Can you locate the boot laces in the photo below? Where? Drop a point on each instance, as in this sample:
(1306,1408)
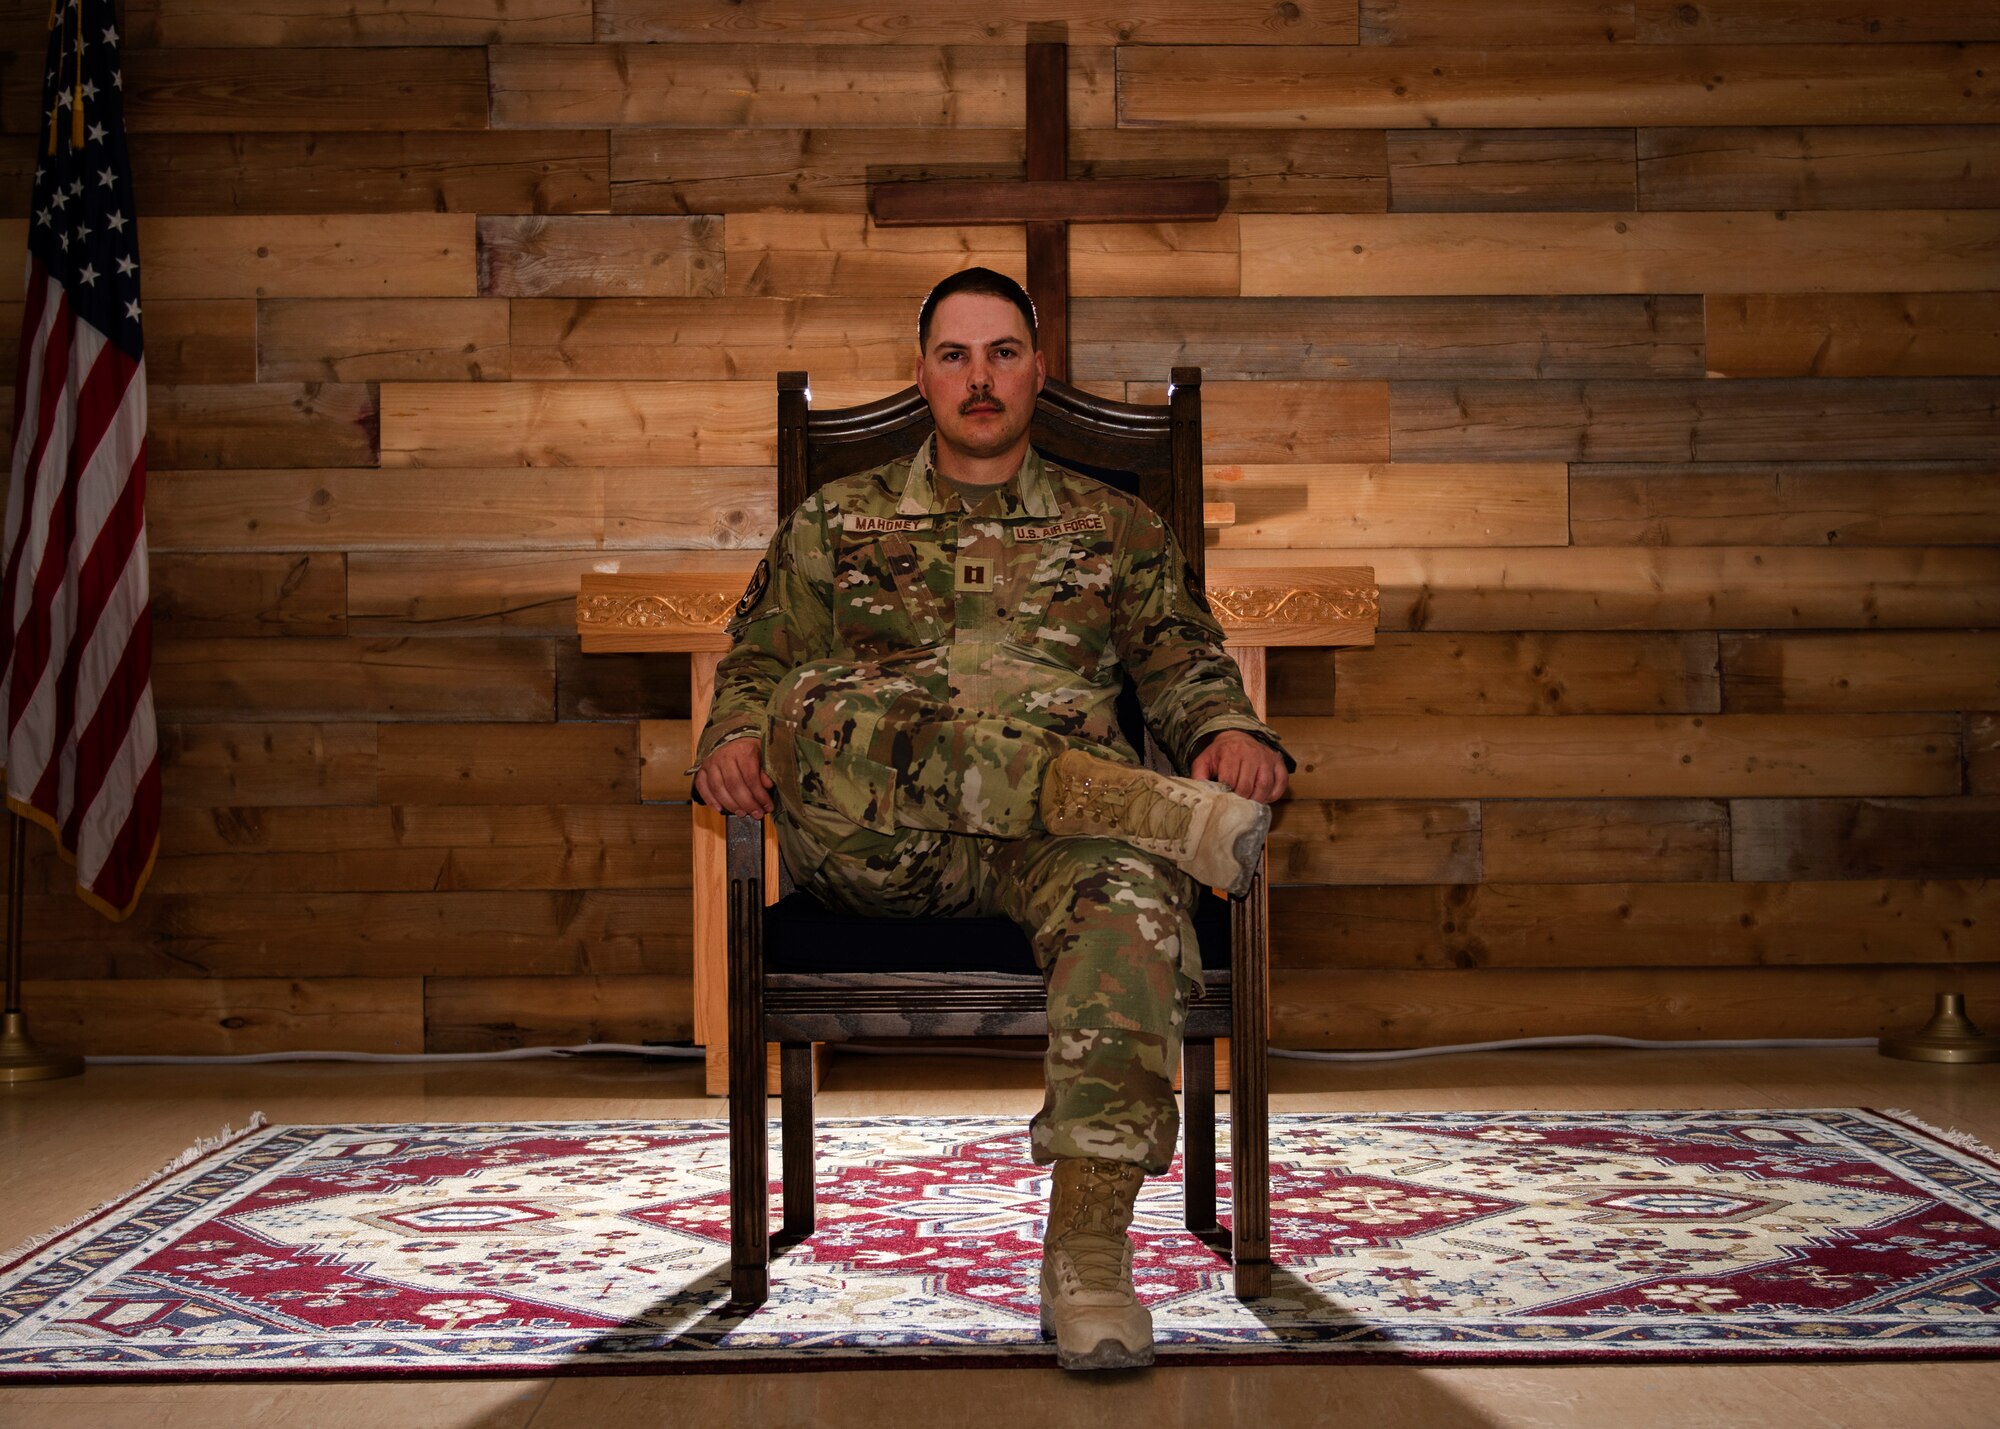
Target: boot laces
(1139,808)
(1095,1261)
(1093,1244)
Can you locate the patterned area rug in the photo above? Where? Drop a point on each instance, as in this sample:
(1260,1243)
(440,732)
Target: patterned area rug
(580,1247)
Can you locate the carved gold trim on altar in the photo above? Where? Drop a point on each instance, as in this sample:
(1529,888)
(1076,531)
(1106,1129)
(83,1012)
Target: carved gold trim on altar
(652,612)
(1285,605)
(1297,606)
(657,610)
(688,610)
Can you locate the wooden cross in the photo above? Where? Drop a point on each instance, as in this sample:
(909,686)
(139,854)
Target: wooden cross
(1047,202)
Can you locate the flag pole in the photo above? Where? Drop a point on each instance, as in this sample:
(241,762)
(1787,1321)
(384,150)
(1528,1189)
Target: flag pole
(20,1059)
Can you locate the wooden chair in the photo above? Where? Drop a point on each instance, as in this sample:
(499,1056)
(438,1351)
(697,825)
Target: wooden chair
(778,991)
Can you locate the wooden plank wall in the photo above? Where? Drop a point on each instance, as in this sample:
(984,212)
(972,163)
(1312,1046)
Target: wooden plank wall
(1650,351)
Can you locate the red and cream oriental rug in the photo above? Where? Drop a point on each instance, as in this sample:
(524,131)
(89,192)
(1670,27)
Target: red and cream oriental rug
(590,1247)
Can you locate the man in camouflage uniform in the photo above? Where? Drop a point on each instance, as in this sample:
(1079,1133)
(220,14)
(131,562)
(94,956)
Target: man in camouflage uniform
(924,670)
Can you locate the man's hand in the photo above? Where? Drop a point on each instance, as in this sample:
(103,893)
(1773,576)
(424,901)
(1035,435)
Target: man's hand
(1245,763)
(733,780)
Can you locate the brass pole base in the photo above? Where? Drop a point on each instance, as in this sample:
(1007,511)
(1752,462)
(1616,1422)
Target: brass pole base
(1948,1037)
(22,1061)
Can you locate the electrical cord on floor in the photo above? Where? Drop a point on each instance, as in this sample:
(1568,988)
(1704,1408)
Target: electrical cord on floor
(1397,1054)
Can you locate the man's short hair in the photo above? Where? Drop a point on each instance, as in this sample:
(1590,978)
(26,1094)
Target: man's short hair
(975,280)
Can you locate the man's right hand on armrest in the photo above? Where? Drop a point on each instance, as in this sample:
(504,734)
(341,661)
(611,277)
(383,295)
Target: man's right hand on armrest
(733,780)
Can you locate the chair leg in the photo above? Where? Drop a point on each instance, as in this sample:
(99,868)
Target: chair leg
(749,1153)
(1198,1134)
(749,1183)
(795,1115)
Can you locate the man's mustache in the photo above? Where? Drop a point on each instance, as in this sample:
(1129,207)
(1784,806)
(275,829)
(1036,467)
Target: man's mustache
(972,404)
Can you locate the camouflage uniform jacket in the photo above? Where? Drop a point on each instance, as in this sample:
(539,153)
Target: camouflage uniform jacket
(1040,599)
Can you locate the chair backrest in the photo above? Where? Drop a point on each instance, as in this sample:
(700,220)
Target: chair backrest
(1154,452)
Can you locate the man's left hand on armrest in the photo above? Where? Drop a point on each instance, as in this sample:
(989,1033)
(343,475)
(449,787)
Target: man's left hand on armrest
(1245,763)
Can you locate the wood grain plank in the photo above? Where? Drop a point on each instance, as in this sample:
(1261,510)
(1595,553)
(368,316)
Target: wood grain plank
(844,255)
(17,156)
(1621,756)
(837,22)
(208,343)
(1853,334)
(263,424)
(519,592)
(382,340)
(1496,927)
(1670,22)
(1462,85)
(1502,170)
(1311,255)
(420,847)
(1694,588)
(244,593)
(1773,672)
(1374,842)
(1747,419)
(485,763)
(1257,422)
(549,508)
(431,255)
(736,86)
(487,1014)
(1348,338)
(1561,672)
(1604,840)
(520,171)
(620,687)
(184,24)
(228,1016)
(266,764)
(712,339)
(1110,260)
(269,89)
(1392,504)
(664,747)
(822,170)
(1982,754)
(186,342)
(829,170)
(1779,840)
(352,678)
(1427,1009)
(600,257)
(1783,503)
(1460,22)
(361,935)
(1919,166)
(1263,171)
(685,424)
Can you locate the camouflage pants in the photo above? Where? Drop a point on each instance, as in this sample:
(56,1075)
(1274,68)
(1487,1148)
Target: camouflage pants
(893,803)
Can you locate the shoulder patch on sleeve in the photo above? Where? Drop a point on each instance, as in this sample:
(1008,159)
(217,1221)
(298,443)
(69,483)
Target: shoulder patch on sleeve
(760,581)
(1194,590)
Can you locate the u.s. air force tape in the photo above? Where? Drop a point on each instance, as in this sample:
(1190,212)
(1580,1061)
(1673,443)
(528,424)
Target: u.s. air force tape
(1071,527)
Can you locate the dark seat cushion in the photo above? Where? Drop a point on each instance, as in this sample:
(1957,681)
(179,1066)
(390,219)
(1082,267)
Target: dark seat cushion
(803,935)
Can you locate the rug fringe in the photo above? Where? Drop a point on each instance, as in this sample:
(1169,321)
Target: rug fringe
(181,1162)
(1963,1139)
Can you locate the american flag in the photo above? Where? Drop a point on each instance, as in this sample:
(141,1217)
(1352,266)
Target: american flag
(80,746)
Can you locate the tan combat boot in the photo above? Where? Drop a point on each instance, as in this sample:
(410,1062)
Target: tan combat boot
(1203,827)
(1088,1305)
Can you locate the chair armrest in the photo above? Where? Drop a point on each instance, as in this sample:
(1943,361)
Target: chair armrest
(745,880)
(745,838)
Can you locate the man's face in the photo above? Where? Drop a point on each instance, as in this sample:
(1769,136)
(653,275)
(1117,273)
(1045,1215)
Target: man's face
(980,374)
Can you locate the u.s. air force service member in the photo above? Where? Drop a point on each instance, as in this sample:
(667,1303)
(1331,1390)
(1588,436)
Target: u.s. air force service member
(921,689)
